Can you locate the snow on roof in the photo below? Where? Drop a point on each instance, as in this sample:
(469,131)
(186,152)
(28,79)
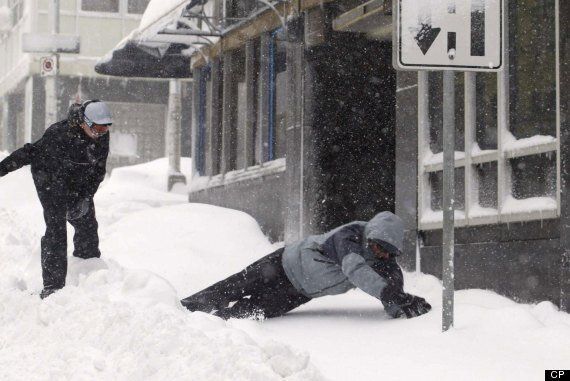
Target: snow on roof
(157,16)
(162,12)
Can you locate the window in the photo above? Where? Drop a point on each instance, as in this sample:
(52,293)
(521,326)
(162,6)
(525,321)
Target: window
(486,117)
(436,112)
(506,155)
(245,106)
(100,6)
(253,86)
(532,69)
(202,118)
(277,96)
(235,109)
(137,6)
(211,123)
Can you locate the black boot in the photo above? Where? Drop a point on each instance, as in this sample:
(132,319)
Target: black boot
(47,292)
(194,305)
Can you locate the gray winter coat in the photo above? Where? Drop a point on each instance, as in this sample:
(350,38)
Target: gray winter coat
(337,261)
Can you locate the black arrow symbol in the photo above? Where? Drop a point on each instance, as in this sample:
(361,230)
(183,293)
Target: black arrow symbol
(425,36)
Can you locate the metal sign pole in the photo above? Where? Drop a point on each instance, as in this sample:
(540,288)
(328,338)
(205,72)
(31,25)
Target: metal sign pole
(448,197)
(448,35)
(51,81)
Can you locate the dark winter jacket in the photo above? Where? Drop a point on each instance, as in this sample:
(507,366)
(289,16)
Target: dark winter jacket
(337,261)
(65,161)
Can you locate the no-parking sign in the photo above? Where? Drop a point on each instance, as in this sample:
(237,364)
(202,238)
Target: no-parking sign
(48,66)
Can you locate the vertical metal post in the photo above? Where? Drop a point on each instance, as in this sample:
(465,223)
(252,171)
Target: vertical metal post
(28,109)
(424,190)
(471,181)
(228,161)
(55,26)
(448,197)
(173,134)
(197,129)
(5,124)
(251,107)
(51,81)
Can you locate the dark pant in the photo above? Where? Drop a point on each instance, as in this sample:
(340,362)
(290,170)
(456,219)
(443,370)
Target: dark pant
(261,289)
(54,241)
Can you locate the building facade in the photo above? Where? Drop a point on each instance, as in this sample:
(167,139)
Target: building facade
(511,163)
(299,119)
(294,122)
(139,105)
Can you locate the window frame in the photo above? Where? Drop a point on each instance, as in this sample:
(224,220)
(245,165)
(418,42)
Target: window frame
(126,9)
(501,155)
(121,13)
(202,119)
(258,162)
(118,12)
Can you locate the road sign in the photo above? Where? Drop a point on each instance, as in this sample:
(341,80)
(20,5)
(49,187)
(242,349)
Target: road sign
(464,35)
(48,66)
(50,43)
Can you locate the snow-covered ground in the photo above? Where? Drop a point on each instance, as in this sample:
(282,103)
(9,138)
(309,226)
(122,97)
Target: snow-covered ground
(119,316)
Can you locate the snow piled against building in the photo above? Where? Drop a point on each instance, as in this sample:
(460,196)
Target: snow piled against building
(114,322)
(119,316)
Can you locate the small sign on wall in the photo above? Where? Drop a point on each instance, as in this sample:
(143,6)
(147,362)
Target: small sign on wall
(48,66)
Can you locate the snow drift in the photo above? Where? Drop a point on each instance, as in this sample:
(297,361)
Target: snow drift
(119,316)
(111,322)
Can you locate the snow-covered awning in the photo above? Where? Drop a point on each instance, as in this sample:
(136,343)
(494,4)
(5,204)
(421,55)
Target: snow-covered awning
(169,32)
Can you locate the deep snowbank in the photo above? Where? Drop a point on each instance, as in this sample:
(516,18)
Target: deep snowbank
(349,336)
(119,317)
(191,245)
(112,322)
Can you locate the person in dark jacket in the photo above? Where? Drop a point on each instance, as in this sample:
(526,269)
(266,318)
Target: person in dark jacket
(359,254)
(68,164)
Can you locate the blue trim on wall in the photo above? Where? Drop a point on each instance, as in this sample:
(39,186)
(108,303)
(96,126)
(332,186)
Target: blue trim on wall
(271,127)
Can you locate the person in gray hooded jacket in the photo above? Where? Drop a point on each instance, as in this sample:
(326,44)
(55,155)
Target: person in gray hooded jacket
(359,254)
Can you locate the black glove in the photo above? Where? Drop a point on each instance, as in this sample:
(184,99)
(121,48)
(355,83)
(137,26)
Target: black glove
(398,303)
(78,209)
(417,306)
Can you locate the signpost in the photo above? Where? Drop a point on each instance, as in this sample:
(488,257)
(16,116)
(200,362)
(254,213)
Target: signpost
(53,43)
(462,35)
(448,35)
